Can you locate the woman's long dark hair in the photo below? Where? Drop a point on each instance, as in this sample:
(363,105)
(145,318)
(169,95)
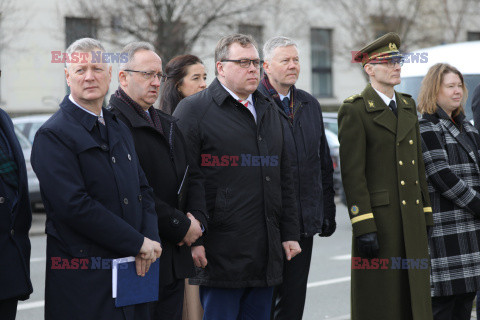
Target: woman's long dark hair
(176,70)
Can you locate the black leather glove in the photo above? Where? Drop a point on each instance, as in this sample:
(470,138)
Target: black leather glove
(328,228)
(367,245)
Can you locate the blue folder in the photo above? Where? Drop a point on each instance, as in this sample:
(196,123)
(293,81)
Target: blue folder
(133,289)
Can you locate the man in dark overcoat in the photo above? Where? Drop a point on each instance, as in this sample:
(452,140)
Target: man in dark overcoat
(163,156)
(15,222)
(97,200)
(384,179)
(235,136)
(312,168)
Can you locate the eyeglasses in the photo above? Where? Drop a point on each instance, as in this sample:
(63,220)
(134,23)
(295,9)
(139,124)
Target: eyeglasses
(150,75)
(245,63)
(391,62)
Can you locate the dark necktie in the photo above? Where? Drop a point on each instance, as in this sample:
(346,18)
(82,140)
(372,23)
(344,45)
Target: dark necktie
(393,106)
(286,105)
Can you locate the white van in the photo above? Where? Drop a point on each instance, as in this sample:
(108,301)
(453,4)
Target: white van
(464,56)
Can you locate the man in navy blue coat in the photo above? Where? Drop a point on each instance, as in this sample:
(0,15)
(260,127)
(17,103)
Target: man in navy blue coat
(311,166)
(15,221)
(97,199)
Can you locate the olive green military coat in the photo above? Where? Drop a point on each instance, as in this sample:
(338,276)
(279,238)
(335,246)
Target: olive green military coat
(385,185)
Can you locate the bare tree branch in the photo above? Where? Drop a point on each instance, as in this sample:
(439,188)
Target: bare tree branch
(172,26)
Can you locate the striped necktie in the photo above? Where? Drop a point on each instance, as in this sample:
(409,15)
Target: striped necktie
(244,102)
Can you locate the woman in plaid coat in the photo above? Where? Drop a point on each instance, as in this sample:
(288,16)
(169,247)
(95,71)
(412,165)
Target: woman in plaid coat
(451,153)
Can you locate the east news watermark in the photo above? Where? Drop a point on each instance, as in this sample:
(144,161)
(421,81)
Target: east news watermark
(82,57)
(407,57)
(243,160)
(92,263)
(359,263)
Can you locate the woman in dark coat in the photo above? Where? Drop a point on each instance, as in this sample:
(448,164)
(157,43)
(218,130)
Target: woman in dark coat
(451,148)
(185,76)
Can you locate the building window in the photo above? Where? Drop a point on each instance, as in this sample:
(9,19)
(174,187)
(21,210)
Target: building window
(256,31)
(77,28)
(473,36)
(321,46)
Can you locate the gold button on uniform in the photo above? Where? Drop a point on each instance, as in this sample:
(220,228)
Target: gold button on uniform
(413,161)
(416,181)
(400,163)
(418,201)
(402,182)
(404,202)
(411,141)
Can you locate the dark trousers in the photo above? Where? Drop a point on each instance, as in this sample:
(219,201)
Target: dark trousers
(170,302)
(8,309)
(236,304)
(289,297)
(456,307)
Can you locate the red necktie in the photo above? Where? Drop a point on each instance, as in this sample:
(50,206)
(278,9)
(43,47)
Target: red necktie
(244,102)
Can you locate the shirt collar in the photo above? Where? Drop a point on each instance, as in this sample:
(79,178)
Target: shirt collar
(281,96)
(249,99)
(88,111)
(385,98)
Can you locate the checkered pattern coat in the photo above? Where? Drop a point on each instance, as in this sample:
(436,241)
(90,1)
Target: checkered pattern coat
(453,176)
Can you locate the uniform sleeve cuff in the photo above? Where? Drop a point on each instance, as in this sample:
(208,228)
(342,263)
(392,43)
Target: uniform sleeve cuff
(363,224)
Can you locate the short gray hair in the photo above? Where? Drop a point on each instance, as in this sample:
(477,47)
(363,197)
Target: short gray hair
(132,48)
(223,45)
(84,45)
(276,42)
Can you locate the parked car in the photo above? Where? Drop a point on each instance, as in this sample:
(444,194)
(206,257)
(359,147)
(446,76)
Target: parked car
(334,146)
(33,184)
(29,125)
(330,121)
(463,56)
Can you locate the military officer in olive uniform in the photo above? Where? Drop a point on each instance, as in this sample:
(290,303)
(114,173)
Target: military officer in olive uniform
(384,179)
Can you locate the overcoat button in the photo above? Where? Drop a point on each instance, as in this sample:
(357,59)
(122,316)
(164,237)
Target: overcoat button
(411,141)
(418,201)
(175,221)
(2,199)
(413,162)
(416,181)
(400,163)
(139,197)
(125,200)
(267,178)
(402,183)
(404,202)
(129,157)
(104,147)
(12,232)
(259,138)
(113,159)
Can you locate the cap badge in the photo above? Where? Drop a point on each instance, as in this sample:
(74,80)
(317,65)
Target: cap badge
(392,46)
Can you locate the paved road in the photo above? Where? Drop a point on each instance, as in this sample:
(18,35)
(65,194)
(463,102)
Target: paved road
(329,281)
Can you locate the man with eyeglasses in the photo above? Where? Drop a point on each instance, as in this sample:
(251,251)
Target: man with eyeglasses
(163,156)
(98,202)
(384,179)
(311,165)
(235,138)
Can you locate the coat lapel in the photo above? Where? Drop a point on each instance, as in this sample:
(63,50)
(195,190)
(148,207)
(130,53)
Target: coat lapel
(448,124)
(406,118)
(373,103)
